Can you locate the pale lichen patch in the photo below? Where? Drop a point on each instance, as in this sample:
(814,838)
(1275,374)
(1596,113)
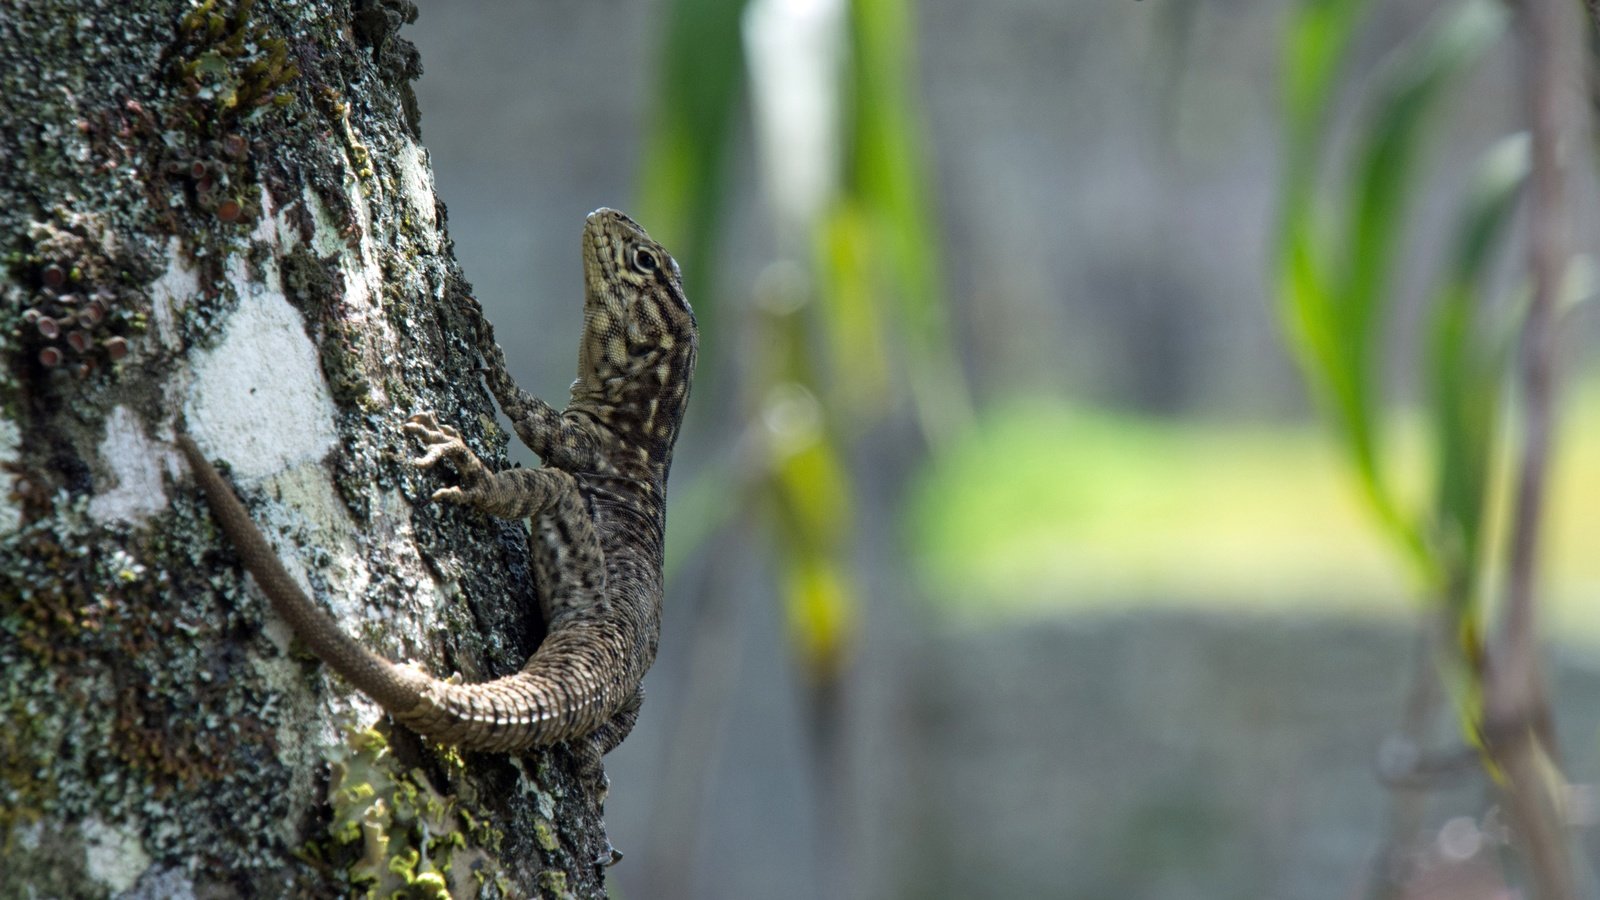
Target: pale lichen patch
(171,293)
(259,400)
(113,854)
(162,884)
(136,465)
(309,507)
(392,528)
(363,277)
(327,237)
(274,226)
(416,180)
(10,510)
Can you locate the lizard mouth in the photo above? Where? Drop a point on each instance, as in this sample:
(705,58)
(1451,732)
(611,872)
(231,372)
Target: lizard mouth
(605,237)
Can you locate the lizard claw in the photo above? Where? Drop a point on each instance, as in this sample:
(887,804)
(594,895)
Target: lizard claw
(443,441)
(421,420)
(433,455)
(450,495)
(608,857)
(425,426)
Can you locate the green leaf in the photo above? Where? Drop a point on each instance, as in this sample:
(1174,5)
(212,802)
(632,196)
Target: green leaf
(1318,33)
(1334,281)
(701,83)
(886,178)
(1467,369)
(1314,49)
(1386,176)
(856,339)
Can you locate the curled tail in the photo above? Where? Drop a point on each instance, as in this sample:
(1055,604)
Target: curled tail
(549,701)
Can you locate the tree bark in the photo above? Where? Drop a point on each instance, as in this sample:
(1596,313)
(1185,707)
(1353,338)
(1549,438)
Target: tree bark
(218,215)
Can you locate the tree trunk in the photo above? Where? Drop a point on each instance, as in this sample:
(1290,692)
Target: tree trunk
(218,215)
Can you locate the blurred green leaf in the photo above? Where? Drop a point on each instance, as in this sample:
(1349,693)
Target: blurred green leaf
(821,611)
(812,484)
(700,85)
(809,490)
(874,262)
(886,177)
(1467,370)
(1334,282)
(1391,142)
(1318,34)
(857,345)
(1314,50)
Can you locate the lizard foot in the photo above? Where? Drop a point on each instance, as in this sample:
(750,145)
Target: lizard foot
(591,771)
(444,443)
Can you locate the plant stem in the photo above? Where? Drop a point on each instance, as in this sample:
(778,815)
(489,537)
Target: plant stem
(1516,707)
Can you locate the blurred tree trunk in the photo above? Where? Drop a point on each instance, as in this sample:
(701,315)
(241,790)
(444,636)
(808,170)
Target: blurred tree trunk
(220,213)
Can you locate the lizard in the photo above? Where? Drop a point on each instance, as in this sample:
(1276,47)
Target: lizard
(598,510)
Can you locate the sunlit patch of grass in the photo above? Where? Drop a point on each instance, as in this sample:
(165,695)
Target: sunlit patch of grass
(1044,506)
(1572,556)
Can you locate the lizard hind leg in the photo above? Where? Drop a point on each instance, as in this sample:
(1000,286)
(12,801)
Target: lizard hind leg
(591,747)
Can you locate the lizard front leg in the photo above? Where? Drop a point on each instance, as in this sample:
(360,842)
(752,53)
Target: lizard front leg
(565,544)
(513,494)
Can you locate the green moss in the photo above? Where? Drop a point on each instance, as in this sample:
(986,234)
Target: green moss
(228,64)
(392,833)
(553,881)
(27,784)
(345,368)
(545,835)
(310,282)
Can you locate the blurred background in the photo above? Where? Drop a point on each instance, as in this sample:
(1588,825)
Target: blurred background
(1042,528)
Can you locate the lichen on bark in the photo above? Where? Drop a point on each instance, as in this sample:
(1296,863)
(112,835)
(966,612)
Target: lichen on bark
(183,184)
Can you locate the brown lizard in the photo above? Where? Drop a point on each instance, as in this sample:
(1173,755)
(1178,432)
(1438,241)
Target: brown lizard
(598,506)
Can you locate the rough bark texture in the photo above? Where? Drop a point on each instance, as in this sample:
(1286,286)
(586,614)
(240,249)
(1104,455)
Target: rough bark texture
(221,211)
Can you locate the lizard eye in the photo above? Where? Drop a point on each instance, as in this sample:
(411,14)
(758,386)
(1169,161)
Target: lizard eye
(644,260)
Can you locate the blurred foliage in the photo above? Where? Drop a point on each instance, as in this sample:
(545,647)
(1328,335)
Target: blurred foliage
(850,318)
(1336,284)
(1336,277)
(1336,258)
(1104,510)
(1095,508)
(1076,482)
(694,117)
(884,214)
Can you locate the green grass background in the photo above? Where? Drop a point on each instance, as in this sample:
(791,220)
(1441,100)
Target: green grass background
(1048,507)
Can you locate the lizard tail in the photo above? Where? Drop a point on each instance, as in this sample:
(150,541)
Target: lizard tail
(555,697)
(395,688)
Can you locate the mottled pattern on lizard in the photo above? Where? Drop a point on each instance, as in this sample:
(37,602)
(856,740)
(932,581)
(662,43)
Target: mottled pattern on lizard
(598,511)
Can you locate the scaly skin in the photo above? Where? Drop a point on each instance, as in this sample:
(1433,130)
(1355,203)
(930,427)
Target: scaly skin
(598,510)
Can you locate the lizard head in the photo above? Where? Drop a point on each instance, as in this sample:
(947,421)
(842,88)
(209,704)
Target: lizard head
(639,335)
